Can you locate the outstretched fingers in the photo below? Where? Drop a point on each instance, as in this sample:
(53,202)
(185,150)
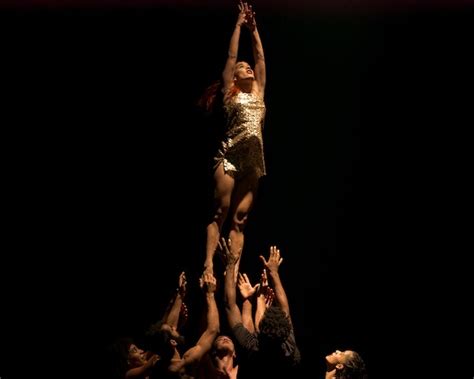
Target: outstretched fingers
(275,255)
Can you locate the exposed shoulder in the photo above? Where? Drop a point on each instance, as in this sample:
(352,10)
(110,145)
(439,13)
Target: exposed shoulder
(176,365)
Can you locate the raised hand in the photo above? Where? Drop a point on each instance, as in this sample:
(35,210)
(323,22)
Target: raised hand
(230,257)
(208,282)
(241,19)
(269,296)
(272,264)
(250,21)
(245,287)
(246,16)
(274,259)
(265,292)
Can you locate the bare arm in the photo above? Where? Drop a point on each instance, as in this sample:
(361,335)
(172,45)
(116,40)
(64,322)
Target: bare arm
(265,297)
(171,316)
(204,344)
(247,291)
(258,55)
(228,73)
(272,265)
(234,316)
(247,319)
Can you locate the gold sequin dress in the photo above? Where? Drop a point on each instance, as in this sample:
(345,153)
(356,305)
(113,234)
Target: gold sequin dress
(241,151)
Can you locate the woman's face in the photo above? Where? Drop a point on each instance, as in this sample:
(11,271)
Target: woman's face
(136,356)
(243,70)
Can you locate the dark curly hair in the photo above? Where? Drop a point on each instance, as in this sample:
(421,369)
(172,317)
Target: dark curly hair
(354,368)
(157,340)
(274,328)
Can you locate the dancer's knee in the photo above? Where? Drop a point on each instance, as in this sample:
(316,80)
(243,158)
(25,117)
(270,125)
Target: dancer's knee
(239,221)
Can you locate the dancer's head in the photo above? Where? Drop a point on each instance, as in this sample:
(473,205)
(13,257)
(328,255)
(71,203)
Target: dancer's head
(243,71)
(348,365)
(222,346)
(124,355)
(274,328)
(162,339)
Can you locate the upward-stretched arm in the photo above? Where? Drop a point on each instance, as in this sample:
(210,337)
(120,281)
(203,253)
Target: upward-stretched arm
(204,344)
(265,297)
(272,265)
(171,316)
(234,316)
(228,73)
(247,291)
(258,55)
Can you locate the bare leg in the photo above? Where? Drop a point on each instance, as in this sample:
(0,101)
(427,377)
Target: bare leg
(224,184)
(244,195)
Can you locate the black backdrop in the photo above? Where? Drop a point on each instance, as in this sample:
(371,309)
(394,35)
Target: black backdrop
(106,167)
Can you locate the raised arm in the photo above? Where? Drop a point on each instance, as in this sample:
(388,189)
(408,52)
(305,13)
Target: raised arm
(258,55)
(272,265)
(228,73)
(265,297)
(234,316)
(171,316)
(247,291)
(204,344)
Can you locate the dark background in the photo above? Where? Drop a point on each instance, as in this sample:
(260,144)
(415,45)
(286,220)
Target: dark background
(106,175)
